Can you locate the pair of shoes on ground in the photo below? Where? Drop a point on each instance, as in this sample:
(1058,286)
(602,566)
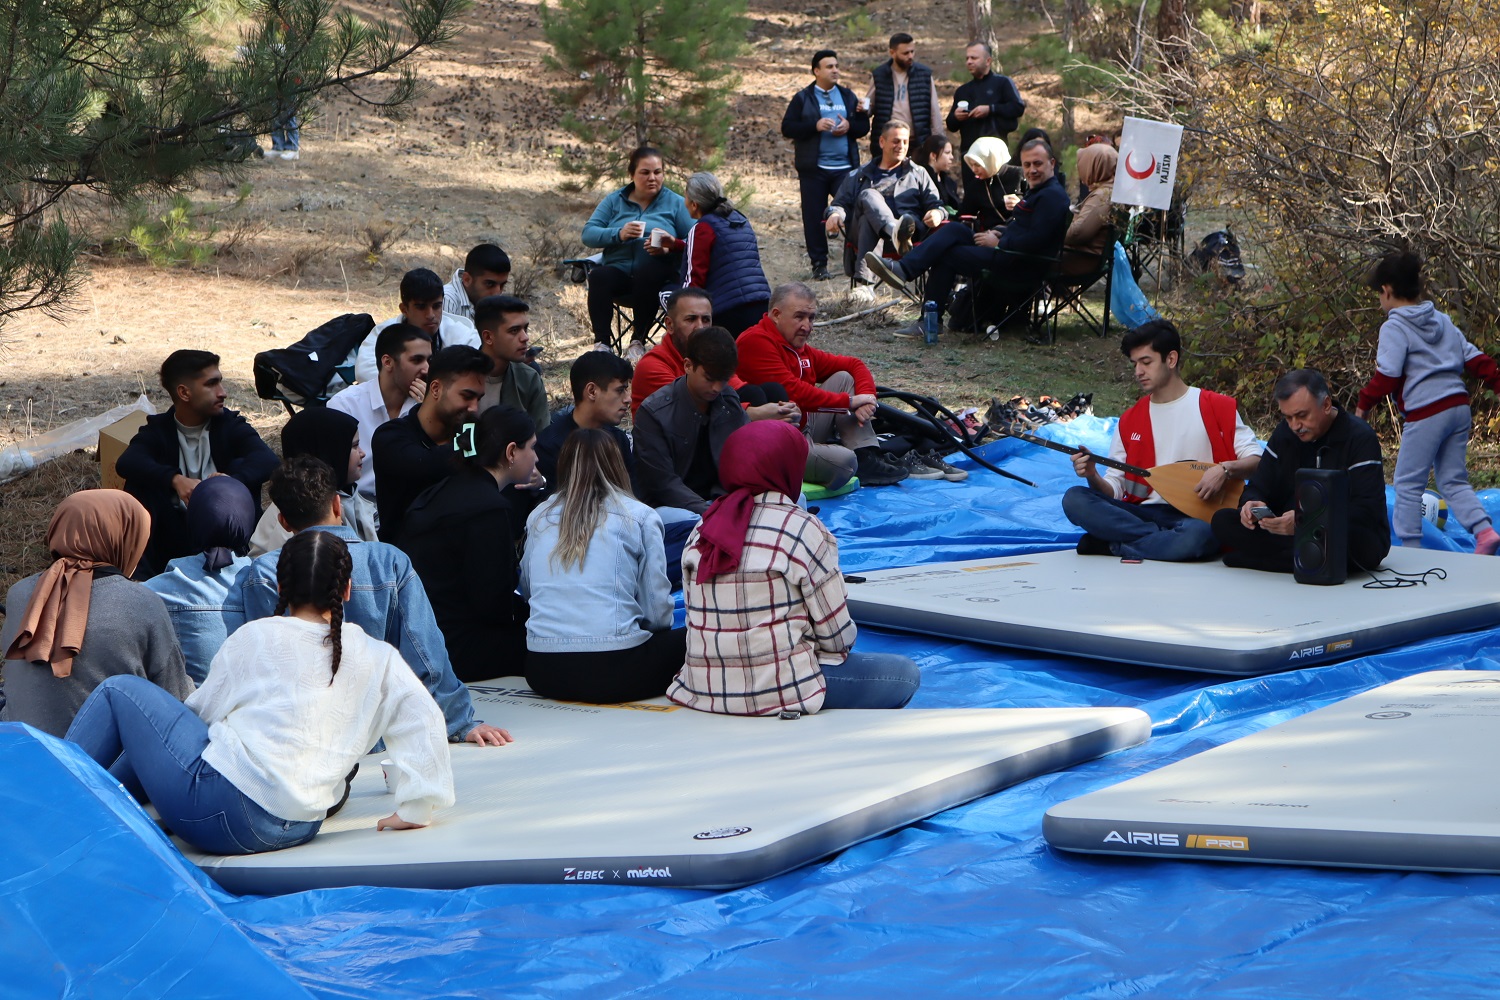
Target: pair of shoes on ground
(930,465)
(878,469)
(283,154)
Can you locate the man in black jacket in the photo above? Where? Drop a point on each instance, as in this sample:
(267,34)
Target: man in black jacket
(989,104)
(1315,434)
(175,451)
(823,121)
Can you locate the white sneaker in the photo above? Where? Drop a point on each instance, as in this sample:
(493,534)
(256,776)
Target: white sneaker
(862,294)
(290,154)
(602,347)
(635,352)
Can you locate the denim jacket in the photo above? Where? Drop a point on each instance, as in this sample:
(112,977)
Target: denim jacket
(388,602)
(615,600)
(204,607)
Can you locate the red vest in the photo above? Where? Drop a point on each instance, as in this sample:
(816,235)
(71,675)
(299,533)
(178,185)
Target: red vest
(1219,417)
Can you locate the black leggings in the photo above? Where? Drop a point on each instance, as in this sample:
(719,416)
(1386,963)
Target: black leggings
(638,289)
(742,317)
(612,676)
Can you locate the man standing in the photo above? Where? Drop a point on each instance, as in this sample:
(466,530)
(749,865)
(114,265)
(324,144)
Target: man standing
(989,104)
(404,352)
(504,324)
(903,90)
(1313,434)
(882,201)
(1119,512)
(823,121)
(485,272)
(688,311)
(1037,228)
(834,392)
(415,451)
(422,306)
(681,430)
(175,451)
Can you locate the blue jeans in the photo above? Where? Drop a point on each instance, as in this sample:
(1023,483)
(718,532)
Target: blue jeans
(871,680)
(1140,530)
(164,742)
(285,130)
(1439,443)
(678,523)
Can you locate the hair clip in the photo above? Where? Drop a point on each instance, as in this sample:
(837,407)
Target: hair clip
(463,441)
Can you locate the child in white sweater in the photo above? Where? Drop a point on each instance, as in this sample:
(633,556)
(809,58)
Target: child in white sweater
(259,754)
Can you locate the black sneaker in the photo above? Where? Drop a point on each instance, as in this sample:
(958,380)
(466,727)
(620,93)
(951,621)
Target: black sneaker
(905,230)
(888,271)
(820,273)
(917,467)
(933,460)
(1093,545)
(877,470)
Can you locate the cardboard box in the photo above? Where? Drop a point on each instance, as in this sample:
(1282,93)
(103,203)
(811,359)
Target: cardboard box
(112,442)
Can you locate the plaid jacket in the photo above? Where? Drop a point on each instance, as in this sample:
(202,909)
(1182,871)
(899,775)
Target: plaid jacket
(758,637)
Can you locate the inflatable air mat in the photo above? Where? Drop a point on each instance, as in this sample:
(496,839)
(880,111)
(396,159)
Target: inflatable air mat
(1397,777)
(1191,616)
(653,794)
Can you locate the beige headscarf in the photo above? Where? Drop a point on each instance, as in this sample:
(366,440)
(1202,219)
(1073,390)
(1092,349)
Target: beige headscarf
(90,528)
(988,154)
(1096,165)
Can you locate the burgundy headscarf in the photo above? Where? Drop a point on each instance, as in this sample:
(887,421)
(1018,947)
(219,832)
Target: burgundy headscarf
(759,457)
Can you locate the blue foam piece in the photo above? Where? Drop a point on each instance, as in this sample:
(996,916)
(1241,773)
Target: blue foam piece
(970,902)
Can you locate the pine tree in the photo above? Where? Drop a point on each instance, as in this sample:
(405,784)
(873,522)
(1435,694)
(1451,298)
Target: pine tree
(133,97)
(654,71)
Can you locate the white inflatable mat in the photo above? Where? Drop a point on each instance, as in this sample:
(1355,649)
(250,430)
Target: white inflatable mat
(1398,777)
(1190,616)
(654,794)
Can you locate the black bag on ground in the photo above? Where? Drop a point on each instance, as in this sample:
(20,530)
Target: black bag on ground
(300,374)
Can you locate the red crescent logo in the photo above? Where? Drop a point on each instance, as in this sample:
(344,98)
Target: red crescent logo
(1139,175)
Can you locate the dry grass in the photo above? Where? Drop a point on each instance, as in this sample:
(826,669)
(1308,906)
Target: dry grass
(26,506)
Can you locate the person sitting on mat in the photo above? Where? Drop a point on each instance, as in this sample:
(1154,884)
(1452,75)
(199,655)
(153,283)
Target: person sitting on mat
(1422,358)
(83,619)
(1313,434)
(680,432)
(387,601)
(595,574)
(202,592)
(768,626)
(461,536)
(262,753)
(1119,512)
(333,436)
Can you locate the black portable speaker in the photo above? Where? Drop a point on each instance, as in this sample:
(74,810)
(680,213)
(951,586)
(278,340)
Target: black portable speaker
(1320,547)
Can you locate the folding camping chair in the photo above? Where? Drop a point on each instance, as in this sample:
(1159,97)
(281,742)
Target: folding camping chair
(579,270)
(1065,292)
(303,374)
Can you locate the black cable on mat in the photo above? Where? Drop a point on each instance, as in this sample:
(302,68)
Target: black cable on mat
(1397,579)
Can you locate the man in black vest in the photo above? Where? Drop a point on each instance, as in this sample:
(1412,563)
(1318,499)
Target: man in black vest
(823,121)
(903,89)
(989,104)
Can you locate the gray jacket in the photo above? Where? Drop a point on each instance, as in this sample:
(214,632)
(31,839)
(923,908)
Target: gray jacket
(909,190)
(666,434)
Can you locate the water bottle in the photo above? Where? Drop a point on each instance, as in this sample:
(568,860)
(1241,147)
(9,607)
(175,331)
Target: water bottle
(932,322)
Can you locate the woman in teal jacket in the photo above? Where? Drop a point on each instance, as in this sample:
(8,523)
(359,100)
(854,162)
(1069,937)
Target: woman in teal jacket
(633,270)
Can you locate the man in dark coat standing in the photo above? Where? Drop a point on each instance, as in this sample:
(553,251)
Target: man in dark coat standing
(823,121)
(989,104)
(904,90)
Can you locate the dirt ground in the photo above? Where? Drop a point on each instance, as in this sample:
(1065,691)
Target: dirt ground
(476,161)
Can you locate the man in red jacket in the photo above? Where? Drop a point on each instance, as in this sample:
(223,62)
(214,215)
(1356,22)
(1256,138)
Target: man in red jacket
(836,394)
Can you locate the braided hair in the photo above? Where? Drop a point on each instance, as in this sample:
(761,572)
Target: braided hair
(314,569)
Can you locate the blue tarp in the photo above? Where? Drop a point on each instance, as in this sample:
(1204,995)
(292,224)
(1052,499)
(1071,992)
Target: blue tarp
(968,903)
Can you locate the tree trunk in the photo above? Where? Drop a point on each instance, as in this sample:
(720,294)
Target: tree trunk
(981,24)
(1172,33)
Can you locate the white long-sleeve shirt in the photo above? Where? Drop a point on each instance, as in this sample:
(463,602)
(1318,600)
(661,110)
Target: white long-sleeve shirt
(451,331)
(286,737)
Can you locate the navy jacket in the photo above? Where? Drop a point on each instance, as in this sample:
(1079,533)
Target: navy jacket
(150,461)
(1040,222)
(800,124)
(997,93)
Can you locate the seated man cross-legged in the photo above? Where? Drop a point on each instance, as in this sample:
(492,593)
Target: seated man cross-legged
(1313,434)
(1038,225)
(887,199)
(835,393)
(1174,422)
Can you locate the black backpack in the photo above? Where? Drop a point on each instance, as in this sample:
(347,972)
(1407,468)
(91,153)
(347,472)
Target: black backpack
(299,375)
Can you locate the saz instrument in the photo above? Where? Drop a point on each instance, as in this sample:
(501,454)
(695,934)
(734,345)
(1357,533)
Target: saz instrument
(1176,482)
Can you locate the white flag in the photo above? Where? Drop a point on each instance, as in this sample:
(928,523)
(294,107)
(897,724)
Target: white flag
(1148,163)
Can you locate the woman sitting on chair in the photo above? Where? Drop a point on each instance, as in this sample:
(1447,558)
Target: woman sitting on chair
(1089,230)
(635,268)
(768,627)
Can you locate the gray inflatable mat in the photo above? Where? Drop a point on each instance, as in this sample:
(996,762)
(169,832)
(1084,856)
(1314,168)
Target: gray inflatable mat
(1221,620)
(1397,777)
(655,794)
